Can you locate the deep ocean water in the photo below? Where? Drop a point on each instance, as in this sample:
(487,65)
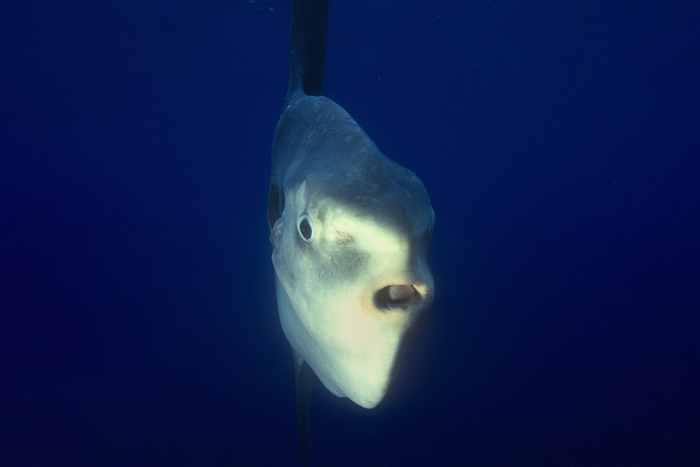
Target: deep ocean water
(559,143)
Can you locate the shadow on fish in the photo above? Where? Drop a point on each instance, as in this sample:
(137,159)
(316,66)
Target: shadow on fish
(350,230)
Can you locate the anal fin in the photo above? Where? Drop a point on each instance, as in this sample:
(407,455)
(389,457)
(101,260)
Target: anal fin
(305,384)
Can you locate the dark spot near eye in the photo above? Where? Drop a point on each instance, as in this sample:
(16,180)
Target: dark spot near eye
(344,237)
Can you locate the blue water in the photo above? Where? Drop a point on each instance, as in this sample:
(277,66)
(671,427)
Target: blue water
(559,144)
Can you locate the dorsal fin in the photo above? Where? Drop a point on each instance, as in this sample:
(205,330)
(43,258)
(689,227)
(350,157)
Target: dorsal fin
(308,46)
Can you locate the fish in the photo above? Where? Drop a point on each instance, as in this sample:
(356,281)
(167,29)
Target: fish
(350,231)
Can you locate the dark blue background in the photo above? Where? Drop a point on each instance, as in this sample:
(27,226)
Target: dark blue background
(560,144)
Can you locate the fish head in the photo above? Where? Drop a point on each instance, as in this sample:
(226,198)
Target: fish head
(353,281)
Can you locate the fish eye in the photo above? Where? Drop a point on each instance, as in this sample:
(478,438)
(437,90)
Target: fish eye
(305,229)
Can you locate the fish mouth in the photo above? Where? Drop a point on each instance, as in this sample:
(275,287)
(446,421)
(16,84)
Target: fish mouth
(401,296)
